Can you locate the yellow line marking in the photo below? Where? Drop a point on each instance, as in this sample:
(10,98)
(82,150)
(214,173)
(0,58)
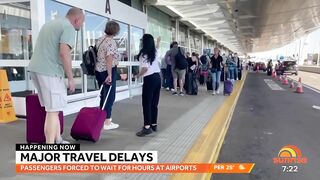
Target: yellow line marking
(207,146)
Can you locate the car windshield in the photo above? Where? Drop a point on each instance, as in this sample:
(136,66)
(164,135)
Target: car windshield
(289,63)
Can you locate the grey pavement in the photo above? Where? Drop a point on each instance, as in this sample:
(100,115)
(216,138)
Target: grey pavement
(181,119)
(265,120)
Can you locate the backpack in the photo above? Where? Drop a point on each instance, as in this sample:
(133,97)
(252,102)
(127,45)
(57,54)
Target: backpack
(89,59)
(181,61)
(204,63)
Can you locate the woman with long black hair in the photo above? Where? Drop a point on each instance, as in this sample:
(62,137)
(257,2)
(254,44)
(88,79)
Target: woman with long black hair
(150,70)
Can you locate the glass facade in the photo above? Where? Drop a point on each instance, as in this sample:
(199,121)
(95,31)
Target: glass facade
(122,41)
(183,40)
(93,29)
(15,37)
(135,42)
(55,10)
(15,34)
(159,24)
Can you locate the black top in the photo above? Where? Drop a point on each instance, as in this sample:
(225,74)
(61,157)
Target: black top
(216,62)
(190,63)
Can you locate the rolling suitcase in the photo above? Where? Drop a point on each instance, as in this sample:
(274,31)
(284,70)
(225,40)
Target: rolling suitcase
(222,74)
(89,122)
(201,79)
(239,74)
(36,116)
(209,84)
(192,84)
(269,71)
(227,87)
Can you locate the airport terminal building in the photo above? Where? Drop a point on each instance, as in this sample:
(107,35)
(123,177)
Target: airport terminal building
(21,21)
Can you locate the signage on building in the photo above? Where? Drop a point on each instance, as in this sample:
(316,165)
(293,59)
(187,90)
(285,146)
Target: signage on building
(108,7)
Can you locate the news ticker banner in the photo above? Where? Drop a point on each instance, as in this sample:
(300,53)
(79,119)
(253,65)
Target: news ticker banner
(56,158)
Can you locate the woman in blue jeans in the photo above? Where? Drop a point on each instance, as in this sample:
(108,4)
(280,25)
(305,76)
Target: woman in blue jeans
(106,69)
(216,62)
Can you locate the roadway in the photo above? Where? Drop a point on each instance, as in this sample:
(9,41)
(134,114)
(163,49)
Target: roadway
(266,118)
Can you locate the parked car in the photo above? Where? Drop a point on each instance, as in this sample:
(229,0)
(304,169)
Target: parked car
(261,65)
(288,67)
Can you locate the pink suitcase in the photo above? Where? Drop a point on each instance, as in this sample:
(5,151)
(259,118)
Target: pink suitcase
(89,122)
(36,116)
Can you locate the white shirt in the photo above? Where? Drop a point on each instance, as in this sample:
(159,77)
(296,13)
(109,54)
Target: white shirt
(152,68)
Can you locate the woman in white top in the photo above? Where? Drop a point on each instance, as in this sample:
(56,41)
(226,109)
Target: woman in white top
(106,69)
(150,70)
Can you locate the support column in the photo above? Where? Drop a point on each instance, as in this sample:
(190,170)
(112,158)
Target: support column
(189,40)
(177,31)
(318,62)
(202,44)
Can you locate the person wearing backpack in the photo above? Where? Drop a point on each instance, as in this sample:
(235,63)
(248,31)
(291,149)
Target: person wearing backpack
(179,65)
(106,69)
(150,70)
(204,66)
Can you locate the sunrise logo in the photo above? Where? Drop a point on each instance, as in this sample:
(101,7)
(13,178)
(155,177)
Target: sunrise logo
(290,154)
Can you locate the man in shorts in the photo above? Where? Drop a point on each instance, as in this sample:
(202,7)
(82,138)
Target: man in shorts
(50,61)
(176,73)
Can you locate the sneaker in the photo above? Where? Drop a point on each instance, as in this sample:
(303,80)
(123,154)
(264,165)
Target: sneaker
(111,126)
(144,132)
(172,90)
(181,94)
(61,141)
(217,92)
(154,128)
(168,89)
(175,93)
(213,93)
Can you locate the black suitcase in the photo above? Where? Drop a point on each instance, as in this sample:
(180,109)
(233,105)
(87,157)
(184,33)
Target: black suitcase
(222,74)
(201,79)
(269,72)
(209,84)
(239,74)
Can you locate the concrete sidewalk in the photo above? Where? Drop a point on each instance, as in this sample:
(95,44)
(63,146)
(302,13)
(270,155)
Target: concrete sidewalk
(308,78)
(181,119)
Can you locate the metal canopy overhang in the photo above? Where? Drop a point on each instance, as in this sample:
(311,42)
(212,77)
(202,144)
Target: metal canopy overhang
(247,25)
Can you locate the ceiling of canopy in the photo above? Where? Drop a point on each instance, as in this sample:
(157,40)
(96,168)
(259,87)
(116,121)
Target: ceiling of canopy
(247,25)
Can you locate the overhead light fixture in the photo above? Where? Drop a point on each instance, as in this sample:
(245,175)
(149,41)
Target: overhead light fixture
(248,16)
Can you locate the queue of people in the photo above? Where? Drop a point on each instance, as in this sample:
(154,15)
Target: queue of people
(51,60)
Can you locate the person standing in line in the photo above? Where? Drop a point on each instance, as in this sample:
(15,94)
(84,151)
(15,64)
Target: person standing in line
(106,69)
(216,62)
(149,69)
(231,66)
(236,69)
(176,73)
(224,69)
(50,61)
(164,72)
(169,72)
